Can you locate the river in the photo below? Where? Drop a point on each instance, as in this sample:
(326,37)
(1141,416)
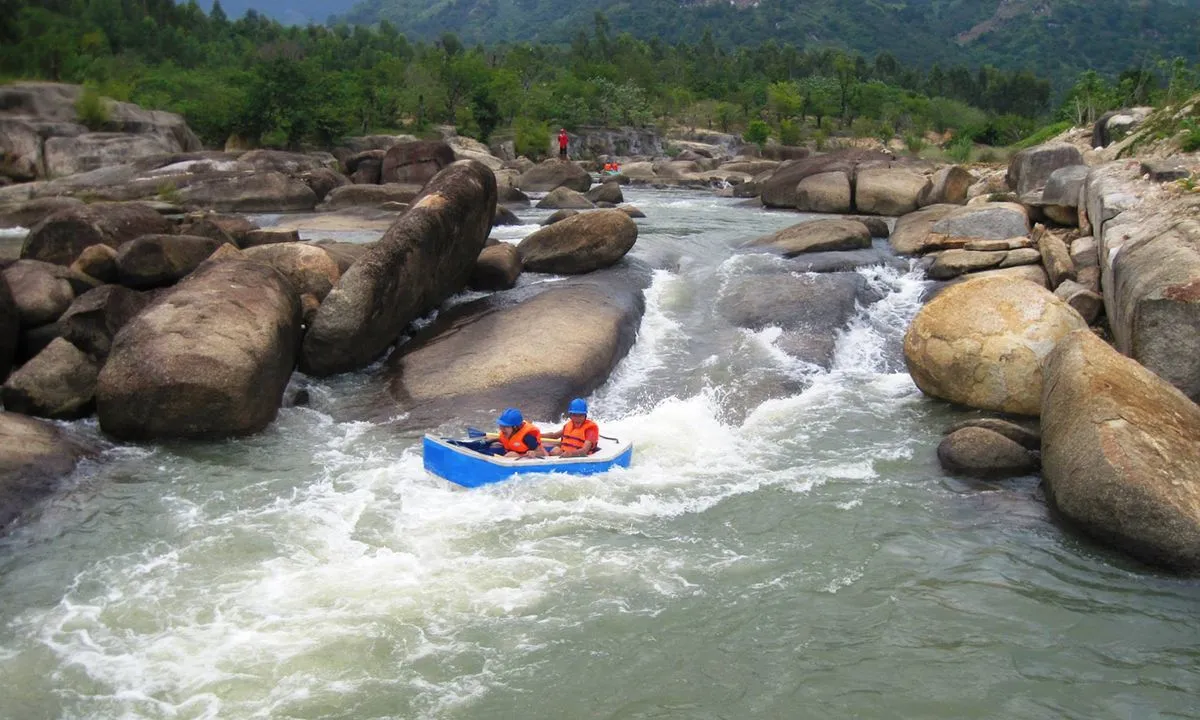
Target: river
(784,546)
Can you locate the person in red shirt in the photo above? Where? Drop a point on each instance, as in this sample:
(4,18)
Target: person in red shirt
(580,436)
(562,143)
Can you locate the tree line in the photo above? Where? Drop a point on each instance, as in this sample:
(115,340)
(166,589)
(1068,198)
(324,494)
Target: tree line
(293,86)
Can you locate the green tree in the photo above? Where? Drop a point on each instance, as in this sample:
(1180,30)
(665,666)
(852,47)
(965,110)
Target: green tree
(757,132)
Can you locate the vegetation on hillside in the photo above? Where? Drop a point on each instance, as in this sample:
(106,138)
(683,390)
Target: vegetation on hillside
(1057,39)
(294,86)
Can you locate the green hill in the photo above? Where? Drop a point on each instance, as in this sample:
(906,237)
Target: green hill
(1054,38)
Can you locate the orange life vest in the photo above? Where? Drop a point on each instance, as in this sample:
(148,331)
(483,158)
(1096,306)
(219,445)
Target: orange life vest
(574,436)
(516,441)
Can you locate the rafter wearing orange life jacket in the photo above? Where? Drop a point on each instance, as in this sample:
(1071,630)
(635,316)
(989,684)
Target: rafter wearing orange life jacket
(574,436)
(516,442)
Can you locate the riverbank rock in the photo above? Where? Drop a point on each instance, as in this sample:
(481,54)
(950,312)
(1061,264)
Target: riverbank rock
(552,174)
(981,343)
(39,290)
(827,192)
(779,191)
(1121,453)
(912,234)
(370,195)
(497,268)
(33,212)
(34,455)
(309,269)
(415,163)
(152,261)
(579,244)
(96,316)
(10,329)
(58,384)
(1030,168)
(252,193)
(61,237)
(887,191)
(815,236)
(480,357)
(209,358)
(426,255)
(609,192)
(563,198)
(948,186)
(982,453)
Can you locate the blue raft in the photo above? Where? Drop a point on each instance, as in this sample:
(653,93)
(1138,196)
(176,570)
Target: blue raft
(456,461)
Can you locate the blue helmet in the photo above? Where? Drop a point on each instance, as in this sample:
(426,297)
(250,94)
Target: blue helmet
(511,418)
(577,406)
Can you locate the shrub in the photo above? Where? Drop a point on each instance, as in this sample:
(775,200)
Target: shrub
(960,150)
(531,138)
(820,140)
(1042,135)
(914,143)
(91,109)
(757,132)
(789,133)
(1190,142)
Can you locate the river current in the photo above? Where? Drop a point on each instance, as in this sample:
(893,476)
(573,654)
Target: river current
(783,546)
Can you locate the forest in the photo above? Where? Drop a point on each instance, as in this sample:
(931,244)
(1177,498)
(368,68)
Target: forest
(289,86)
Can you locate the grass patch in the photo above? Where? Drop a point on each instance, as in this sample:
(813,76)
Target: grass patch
(1042,135)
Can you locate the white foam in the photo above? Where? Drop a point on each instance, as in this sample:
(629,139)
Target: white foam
(14,232)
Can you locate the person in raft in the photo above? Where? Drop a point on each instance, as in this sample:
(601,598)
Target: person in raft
(580,436)
(562,143)
(517,437)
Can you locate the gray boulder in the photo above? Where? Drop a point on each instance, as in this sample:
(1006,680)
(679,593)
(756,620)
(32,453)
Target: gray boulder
(97,261)
(31,213)
(209,358)
(557,216)
(481,357)
(1063,186)
(251,193)
(780,189)
(58,384)
(96,316)
(10,329)
(913,234)
(827,192)
(415,163)
(981,453)
(579,244)
(426,256)
(947,186)
(990,221)
(563,198)
(34,456)
(154,261)
(1030,168)
(371,195)
(309,269)
(497,268)
(887,191)
(61,237)
(815,236)
(40,291)
(1120,453)
(1026,438)
(607,192)
(552,174)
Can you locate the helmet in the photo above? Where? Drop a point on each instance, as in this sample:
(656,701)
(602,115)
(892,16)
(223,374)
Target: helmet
(511,418)
(577,406)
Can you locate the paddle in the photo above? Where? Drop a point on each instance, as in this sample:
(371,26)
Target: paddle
(477,433)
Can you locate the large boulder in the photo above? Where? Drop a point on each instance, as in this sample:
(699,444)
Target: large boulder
(1030,168)
(981,343)
(481,357)
(33,212)
(579,244)
(371,195)
(983,453)
(552,174)
(154,261)
(947,186)
(10,328)
(497,268)
(34,455)
(426,256)
(59,384)
(888,191)
(96,316)
(61,237)
(1121,453)
(208,358)
(1063,186)
(913,234)
(256,192)
(815,236)
(780,189)
(309,269)
(40,291)
(365,168)
(563,198)
(415,163)
(990,221)
(827,192)
(97,261)
(610,192)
